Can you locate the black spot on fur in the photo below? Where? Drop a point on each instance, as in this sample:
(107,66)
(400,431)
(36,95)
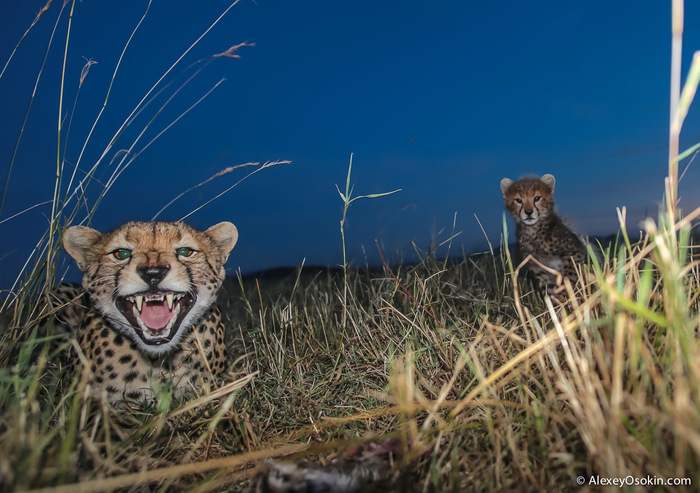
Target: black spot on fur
(131,376)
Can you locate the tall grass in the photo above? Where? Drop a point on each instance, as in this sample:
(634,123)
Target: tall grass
(44,412)
(484,384)
(77,194)
(347,199)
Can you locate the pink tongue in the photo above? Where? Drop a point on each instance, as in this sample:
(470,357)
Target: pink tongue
(155,314)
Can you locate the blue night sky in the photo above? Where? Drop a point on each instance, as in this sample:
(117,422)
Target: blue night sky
(441,99)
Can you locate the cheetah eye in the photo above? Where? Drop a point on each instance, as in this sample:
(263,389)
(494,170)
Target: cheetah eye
(184,252)
(122,254)
(519,201)
(537,198)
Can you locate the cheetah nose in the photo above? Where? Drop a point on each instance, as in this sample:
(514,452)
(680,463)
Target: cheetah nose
(153,274)
(529,212)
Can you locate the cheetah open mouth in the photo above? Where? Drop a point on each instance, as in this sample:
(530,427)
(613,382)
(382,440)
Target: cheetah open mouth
(155,316)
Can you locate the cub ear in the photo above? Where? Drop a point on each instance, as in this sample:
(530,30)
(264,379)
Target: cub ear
(225,237)
(505,185)
(549,181)
(78,241)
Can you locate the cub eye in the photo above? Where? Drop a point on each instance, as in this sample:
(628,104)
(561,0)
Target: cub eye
(519,200)
(122,254)
(184,252)
(537,198)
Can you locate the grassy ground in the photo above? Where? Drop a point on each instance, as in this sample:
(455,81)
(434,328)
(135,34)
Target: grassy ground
(481,383)
(484,390)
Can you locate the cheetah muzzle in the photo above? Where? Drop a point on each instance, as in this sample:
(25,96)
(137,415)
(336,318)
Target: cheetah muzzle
(155,316)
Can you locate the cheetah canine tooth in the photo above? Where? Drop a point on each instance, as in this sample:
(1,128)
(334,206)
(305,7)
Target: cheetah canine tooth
(169,297)
(139,302)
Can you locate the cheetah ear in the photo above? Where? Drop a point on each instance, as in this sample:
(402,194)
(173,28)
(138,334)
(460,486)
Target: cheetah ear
(505,185)
(549,181)
(78,241)
(225,237)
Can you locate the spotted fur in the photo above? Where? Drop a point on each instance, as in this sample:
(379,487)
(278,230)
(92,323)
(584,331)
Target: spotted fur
(541,232)
(133,347)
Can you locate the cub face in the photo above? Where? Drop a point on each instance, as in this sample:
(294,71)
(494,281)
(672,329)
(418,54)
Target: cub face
(152,280)
(529,199)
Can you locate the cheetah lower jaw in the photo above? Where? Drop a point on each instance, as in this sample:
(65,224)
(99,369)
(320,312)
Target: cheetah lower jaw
(530,220)
(155,334)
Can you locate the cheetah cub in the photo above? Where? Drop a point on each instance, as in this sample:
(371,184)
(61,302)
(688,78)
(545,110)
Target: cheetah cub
(146,314)
(541,232)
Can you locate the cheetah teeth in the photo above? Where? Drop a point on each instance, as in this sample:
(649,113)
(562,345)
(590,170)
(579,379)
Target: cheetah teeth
(169,297)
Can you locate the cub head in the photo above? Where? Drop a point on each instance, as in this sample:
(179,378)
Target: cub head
(152,280)
(529,199)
